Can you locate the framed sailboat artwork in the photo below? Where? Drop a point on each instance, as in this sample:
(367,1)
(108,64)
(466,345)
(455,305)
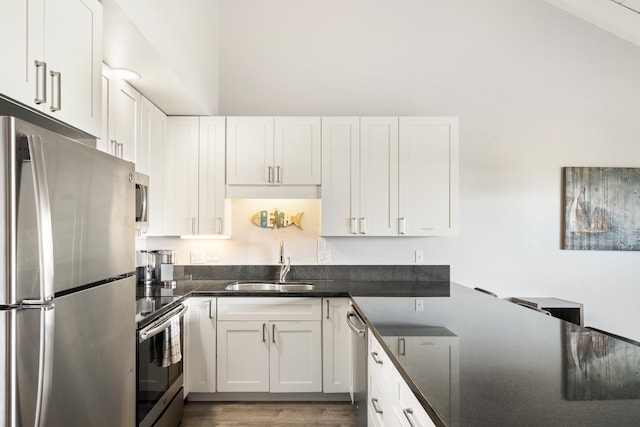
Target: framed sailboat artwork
(601,208)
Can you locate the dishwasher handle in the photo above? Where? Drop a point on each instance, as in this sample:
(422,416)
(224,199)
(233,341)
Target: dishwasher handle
(359,332)
(162,324)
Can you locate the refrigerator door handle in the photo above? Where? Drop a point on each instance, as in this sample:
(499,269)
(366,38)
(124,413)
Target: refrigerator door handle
(43,214)
(45,361)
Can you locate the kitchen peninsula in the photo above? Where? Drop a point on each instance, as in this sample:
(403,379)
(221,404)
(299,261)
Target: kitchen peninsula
(514,366)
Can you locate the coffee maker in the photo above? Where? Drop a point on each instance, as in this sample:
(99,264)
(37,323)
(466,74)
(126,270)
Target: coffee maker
(156,267)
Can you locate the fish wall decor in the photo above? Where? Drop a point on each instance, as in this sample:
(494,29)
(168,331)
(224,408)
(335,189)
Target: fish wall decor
(276,219)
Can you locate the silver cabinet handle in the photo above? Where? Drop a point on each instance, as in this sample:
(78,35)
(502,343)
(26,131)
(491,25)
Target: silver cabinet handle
(354,225)
(193,225)
(119,150)
(328,309)
(273,333)
(363,225)
(408,413)
(402,347)
(402,227)
(114,144)
(56,91)
(41,82)
(264,327)
(210,309)
(219,225)
(278,174)
(376,405)
(376,358)
(270,174)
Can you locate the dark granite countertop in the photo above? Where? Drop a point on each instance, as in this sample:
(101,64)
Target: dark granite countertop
(507,365)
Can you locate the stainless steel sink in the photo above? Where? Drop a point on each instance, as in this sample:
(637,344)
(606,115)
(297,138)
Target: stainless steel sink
(271,286)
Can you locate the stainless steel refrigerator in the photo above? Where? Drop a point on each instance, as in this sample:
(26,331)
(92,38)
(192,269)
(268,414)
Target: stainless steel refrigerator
(67,290)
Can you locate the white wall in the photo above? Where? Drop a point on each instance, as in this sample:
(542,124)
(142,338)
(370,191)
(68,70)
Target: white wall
(535,88)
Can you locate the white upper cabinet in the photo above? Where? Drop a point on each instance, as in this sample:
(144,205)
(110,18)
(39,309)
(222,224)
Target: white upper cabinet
(213,209)
(340,155)
(360,176)
(273,151)
(193,192)
(56,51)
(145,140)
(378,176)
(22,32)
(389,176)
(156,172)
(180,186)
(428,200)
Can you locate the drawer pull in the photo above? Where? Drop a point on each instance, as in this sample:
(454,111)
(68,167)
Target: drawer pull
(376,405)
(408,412)
(376,358)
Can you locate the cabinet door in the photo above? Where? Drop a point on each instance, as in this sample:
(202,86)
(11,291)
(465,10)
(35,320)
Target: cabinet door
(297,151)
(250,150)
(143,146)
(213,207)
(22,32)
(295,356)
(200,351)
(336,346)
(180,186)
(243,356)
(378,176)
(124,118)
(156,172)
(340,175)
(428,203)
(73,49)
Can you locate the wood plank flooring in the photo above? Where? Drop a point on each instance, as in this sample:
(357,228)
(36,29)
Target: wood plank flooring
(268,414)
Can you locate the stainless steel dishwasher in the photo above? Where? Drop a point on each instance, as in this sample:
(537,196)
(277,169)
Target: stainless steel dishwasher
(359,364)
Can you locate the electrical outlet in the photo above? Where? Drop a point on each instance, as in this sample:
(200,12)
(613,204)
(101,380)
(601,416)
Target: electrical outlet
(324,256)
(197,256)
(419,304)
(419,257)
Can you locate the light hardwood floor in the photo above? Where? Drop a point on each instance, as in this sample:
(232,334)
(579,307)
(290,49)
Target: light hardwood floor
(268,414)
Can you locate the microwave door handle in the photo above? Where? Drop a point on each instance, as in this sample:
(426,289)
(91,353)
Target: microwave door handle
(153,330)
(143,214)
(44,220)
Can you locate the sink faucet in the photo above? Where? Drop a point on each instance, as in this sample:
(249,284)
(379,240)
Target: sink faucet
(284,266)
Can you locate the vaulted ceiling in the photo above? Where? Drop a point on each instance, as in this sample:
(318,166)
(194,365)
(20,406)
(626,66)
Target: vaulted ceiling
(175,48)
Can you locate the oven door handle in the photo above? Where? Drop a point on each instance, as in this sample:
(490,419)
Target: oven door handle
(155,328)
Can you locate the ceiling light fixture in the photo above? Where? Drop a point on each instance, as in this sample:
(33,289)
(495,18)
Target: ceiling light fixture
(125,73)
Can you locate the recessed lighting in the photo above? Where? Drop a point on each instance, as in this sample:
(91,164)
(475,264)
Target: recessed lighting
(126,74)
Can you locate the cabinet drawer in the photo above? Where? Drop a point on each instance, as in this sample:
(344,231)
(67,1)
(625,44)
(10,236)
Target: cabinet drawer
(380,365)
(409,409)
(270,308)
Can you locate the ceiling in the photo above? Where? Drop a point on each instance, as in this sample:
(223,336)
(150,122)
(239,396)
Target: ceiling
(175,49)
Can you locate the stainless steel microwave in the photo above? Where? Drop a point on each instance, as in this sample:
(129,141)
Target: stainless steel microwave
(142,202)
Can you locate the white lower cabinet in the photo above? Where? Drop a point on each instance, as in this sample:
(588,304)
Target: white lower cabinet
(390,401)
(269,345)
(200,345)
(243,356)
(336,346)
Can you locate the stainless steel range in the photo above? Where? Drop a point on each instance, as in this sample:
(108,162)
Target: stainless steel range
(160,326)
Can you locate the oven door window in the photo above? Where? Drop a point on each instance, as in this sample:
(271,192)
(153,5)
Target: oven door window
(154,380)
